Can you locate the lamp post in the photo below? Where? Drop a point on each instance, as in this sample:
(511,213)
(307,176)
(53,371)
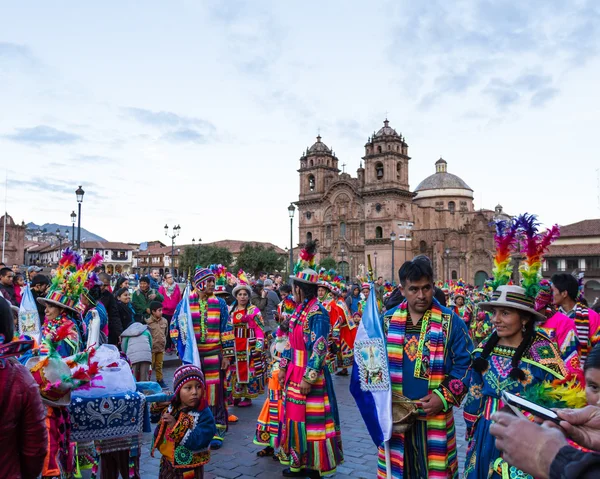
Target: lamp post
(447,253)
(343,252)
(73,217)
(79,193)
(60,238)
(393,239)
(291,211)
(174,235)
(375,254)
(193,241)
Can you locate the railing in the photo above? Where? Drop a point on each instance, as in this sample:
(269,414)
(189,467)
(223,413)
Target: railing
(588,272)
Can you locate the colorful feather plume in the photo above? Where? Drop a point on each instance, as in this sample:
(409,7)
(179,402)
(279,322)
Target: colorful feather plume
(242,277)
(505,239)
(534,245)
(568,393)
(306,257)
(220,273)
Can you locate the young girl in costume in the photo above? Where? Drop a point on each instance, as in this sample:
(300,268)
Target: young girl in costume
(186,428)
(592,377)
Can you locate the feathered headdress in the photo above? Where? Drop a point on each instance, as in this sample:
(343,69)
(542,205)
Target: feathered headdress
(534,245)
(505,239)
(304,269)
(70,280)
(242,283)
(220,273)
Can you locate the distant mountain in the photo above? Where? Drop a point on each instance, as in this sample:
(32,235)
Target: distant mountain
(51,228)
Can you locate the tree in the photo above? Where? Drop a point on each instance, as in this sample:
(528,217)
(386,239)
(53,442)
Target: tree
(328,263)
(257,258)
(204,255)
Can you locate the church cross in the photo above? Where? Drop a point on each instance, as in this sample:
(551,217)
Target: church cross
(343,167)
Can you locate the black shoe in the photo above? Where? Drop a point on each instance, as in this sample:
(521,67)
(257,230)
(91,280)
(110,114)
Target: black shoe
(303,473)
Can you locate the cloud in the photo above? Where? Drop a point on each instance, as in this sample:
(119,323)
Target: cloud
(185,135)
(175,128)
(13,51)
(56,188)
(91,159)
(43,135)
(457,46)
(162,119)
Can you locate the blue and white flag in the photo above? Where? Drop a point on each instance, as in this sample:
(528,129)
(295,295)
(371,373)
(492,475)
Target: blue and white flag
(29,319)
(187,347)
(370,382)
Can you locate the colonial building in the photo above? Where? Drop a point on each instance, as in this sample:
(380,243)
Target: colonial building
(577,251)
(13,241)
(376,214)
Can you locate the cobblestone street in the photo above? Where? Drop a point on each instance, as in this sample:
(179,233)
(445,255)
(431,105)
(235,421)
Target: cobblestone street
(237,458)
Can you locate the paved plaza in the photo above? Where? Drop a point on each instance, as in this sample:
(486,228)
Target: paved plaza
(237,458)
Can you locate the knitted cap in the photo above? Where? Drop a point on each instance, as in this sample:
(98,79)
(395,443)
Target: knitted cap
(201,276)
(184,374)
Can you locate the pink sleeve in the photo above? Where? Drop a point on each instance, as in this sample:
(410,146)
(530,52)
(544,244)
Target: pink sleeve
(258,328)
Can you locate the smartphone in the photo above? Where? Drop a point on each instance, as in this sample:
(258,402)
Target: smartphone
(517,403)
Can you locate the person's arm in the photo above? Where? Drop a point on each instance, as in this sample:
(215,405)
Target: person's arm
(115,327)
(320,328)
(139,303)
(458,361)
(159,297)
(198,438)
(33,432)
(570,463)
(226,331)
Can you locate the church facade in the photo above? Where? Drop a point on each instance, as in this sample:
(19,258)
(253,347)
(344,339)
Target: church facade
(376,214)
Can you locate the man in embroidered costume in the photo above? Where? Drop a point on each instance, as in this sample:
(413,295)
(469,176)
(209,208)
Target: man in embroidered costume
(62,335)
(309,433)
(326,293)
(565,289)
(214,338)
(429,356)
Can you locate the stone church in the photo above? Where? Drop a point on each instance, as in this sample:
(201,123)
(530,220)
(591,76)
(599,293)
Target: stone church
(377,214)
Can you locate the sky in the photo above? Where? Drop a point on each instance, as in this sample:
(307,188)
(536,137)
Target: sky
(197,112)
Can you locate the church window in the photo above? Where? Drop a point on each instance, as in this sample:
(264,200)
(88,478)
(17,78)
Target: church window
(378,207)
(378,232)
(308,236)
(327,162)
(308,215)
(379,170)
(311,182)
(389,147)
(342,230)
(422,247)
(454,274)
(451,206)
(397,148)
(328,232)
(379,149)
(398,169)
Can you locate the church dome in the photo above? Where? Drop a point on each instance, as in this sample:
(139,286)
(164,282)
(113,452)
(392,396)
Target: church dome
(319,148)
(442,180)
(386,130)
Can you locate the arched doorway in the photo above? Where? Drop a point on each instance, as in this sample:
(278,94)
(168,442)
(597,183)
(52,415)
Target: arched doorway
(109,269)
(480,278)
(592,291)
(343,268)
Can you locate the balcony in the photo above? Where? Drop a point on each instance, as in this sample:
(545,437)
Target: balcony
(589,273)
(119,256)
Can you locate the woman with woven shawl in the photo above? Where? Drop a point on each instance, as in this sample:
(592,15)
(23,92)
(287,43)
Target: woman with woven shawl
(429,355)
(517,357)
(247,380)
(309,433)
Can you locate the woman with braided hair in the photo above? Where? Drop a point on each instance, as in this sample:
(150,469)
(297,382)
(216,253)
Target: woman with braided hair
(518,357)
(515,357)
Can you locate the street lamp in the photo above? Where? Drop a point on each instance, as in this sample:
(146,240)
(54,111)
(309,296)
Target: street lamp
(79,193)
(73,217)
(291,211)
(193,241)
(393,238)
(343,252)
(447,264)
(407,226)
(60,238)
(375,254)
(174,235)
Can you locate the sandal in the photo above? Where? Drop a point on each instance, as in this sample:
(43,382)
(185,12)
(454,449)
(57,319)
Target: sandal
(267,451)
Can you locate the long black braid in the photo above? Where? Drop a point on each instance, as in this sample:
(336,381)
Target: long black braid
(481,363)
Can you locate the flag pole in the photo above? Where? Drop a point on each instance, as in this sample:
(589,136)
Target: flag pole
(5,214)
